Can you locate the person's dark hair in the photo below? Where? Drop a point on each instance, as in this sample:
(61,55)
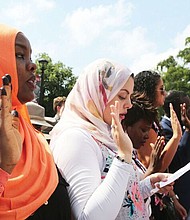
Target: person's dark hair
(176,98)
(145,82)
(141,109)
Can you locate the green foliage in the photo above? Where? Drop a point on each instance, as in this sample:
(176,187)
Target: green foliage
(58,81)
(175,71)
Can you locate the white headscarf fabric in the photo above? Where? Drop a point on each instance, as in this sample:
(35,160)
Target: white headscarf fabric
(96,86)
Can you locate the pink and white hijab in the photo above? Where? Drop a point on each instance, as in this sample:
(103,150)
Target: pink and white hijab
(98,84)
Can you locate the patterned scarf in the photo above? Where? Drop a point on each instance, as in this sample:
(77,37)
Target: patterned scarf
(96,86)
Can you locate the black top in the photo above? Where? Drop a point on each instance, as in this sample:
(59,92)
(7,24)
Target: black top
(181,158)
(58,205)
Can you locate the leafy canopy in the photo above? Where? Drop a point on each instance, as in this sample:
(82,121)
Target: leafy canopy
(175,71)
(58,81)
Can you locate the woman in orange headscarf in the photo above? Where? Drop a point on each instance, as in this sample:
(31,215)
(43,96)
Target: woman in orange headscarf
(28,177)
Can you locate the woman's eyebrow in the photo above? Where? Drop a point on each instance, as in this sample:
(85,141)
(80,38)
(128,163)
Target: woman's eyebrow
(22,46)
(125,90)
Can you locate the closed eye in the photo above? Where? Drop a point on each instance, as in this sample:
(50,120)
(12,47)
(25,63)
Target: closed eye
(121,97)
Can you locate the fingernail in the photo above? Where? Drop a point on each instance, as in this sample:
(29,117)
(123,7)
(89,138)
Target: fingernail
(5,81)
(9,77)
(3,91)
(14,113)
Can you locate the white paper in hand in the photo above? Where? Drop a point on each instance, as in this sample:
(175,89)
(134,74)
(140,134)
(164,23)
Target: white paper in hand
(173,177)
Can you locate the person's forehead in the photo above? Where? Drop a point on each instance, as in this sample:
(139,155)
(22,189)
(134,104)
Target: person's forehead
(160,82)
(22,41)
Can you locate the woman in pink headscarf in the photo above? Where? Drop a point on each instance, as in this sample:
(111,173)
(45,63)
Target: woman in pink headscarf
(92,151)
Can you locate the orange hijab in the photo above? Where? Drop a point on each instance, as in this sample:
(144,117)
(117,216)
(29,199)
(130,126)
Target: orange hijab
(34,178)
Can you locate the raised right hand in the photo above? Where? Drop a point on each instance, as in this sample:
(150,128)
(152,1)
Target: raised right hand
(176,127)
(184,118)
(10,138)
(122,140)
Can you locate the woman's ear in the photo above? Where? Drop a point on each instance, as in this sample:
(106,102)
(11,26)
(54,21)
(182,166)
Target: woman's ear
(58,108)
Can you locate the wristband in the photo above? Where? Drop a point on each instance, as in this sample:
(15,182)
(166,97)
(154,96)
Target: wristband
(121,159)
(174,197)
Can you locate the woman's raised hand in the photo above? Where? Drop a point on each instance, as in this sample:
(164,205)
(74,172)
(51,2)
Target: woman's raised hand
(176,127)
(10,138)
(156,157)
(122,140)
(184,118)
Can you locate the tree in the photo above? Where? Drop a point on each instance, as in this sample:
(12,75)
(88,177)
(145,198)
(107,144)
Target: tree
(58,81)
(175,71)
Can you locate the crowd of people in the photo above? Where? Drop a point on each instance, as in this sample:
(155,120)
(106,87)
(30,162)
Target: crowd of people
(102,154)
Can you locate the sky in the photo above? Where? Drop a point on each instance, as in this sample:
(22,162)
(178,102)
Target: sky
(136,33)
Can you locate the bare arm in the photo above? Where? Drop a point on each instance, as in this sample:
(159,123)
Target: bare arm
(172,145)
(180,209)
(170,148)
